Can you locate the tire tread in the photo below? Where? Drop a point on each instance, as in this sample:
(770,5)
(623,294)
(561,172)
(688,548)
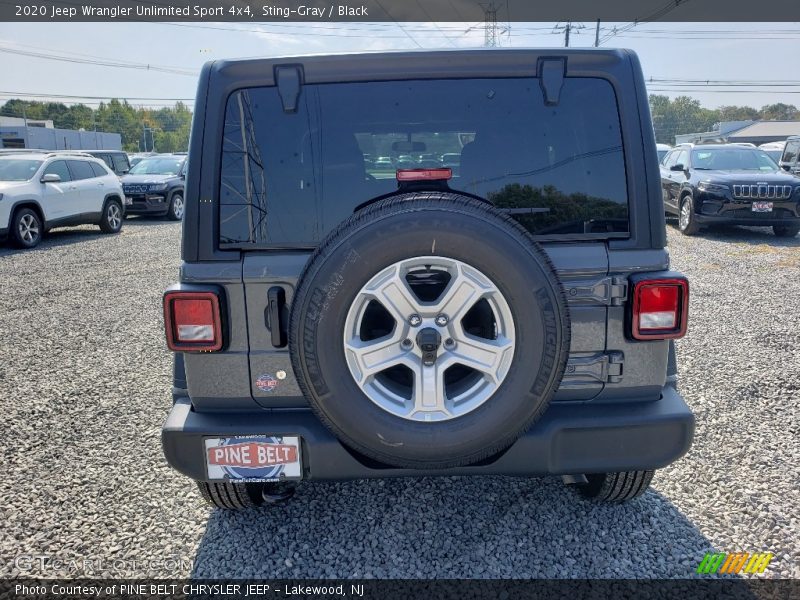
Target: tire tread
(225,495)
(617,487)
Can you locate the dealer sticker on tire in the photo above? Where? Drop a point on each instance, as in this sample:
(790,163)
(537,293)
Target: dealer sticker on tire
(253,458)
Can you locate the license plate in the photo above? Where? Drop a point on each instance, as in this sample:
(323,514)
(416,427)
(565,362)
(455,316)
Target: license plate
(762,207)
(254,458)
(128,200)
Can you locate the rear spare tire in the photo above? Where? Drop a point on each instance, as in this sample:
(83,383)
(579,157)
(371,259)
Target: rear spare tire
(429,330)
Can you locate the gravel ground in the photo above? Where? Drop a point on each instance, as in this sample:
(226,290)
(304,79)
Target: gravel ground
(84,387)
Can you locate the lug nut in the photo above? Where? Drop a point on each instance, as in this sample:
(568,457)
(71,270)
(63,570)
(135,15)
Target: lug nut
(406,344)
(415,320)
(449,343)
(441,320)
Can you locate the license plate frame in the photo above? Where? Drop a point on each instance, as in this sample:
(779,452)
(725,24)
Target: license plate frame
(253,458)
(761,206)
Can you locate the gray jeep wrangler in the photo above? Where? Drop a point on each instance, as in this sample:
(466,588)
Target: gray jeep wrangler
(427,263)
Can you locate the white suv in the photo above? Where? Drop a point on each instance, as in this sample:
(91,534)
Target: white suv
(39,191)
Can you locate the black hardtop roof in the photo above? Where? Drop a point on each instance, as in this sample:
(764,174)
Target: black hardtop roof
(370,66)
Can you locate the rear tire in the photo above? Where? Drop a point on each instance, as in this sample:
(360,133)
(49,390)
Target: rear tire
(440,237)
(231,496)
(687,222)
(785,231)
(616,487)
(111,221)
(26,228)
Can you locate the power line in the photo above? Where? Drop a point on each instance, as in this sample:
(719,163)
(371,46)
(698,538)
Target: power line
(72,97)
(667,8)
(695,90)
(411,37)
(435,24)
(98,62)
(731,81)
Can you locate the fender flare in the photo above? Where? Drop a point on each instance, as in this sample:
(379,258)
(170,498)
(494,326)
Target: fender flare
(32,201)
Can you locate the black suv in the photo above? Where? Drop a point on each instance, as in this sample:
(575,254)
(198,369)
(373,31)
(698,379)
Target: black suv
(731,185)
(338,319)
(154,186)
(116,160)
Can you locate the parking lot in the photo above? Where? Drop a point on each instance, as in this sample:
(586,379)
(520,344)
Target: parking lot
(85,386)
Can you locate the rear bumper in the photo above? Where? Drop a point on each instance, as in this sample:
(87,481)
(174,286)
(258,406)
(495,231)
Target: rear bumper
(569,439)
(726,211)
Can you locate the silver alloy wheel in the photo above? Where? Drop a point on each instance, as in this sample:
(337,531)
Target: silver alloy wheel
(28,229)
(113,216)
(177,206)
(686,214)
(467,369)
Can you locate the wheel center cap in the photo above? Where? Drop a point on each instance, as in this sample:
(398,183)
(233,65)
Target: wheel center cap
(429,340)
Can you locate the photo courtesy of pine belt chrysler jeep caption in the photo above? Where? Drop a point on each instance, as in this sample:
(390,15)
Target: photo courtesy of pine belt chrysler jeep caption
(425,263)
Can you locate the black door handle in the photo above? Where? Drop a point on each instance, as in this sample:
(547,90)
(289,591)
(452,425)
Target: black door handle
(276,323)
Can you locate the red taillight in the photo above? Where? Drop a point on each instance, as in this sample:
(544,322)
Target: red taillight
(660,309)
(424,174)
(193,321)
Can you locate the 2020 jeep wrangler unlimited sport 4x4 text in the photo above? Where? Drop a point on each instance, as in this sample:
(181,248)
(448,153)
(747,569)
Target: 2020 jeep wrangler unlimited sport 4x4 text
(424,263)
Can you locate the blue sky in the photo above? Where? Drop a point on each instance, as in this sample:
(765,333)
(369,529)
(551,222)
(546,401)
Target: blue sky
(696,51)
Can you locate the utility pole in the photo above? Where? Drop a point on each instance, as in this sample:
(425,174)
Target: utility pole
(569,28)
(490,24)
(597,34)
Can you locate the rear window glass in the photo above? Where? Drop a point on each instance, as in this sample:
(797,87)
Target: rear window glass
(81,169)
(98,170)
(791,151)
(120,162)
(289,178)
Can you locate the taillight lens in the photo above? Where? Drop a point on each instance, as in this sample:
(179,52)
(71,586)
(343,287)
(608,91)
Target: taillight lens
(660,309)
(193,321)
(424,174)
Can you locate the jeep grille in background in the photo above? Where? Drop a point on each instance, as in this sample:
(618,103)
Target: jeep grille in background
(760,190)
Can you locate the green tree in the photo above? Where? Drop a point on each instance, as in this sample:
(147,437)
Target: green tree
(141,128)
(79,116)
(779,112)
(679,116)
(737,113)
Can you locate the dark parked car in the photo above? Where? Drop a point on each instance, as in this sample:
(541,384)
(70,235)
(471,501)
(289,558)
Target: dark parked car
(729,184)
(515,318)
(116,160)
(155,186)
